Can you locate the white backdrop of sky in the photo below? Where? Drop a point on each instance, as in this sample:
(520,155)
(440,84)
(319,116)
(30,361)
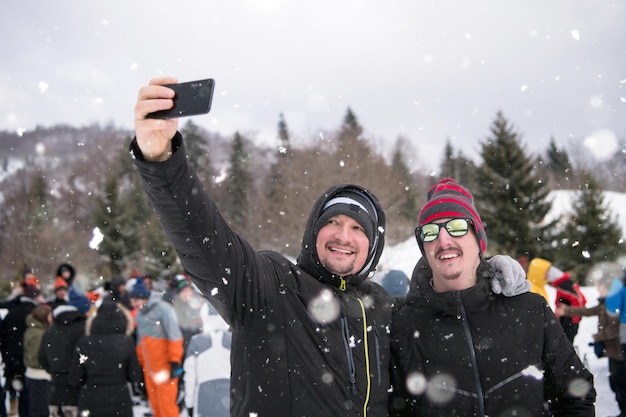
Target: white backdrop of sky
(426,71)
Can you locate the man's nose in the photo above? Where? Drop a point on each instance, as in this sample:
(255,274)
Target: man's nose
(444,236)
(343,232)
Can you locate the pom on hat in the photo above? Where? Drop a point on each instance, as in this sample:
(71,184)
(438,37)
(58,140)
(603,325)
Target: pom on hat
(352,204)
(554,273)
(449,199)
(139,290)
(79,300)
(60,284)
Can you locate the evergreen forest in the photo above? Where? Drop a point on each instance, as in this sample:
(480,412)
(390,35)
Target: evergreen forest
(71,194)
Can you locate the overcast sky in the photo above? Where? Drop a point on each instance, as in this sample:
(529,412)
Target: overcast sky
(427,71)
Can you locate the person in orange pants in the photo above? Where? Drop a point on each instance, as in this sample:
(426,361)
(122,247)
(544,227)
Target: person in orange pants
(159,349)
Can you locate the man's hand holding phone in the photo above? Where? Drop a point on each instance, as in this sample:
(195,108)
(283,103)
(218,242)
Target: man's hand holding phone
(190,99)
(154,136)
(160,104)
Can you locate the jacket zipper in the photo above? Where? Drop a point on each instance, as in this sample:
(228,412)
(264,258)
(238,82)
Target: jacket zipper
(350,356)
(461,314)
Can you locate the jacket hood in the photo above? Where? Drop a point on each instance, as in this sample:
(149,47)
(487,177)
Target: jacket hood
(110,318)
(67,267)
(537,269)
(66,314)
(308,259)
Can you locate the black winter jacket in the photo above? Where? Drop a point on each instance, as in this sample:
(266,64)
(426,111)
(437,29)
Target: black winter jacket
(284,363)
(56,353)
(103,363)
(474,353)
(12,336)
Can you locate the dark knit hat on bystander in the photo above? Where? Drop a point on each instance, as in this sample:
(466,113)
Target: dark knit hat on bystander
(79,300)
(449,199)
(139,290)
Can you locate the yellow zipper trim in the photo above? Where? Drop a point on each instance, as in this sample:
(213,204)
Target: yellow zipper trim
(367,358)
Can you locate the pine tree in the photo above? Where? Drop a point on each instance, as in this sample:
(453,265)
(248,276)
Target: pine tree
(353,151)
(456,165)
(277,187)
(558,166)
(111,217)
(350,128)
(401,171)
(511,198)
(39,207)
(196,148)
(239,183)
(279,213)
(591,234)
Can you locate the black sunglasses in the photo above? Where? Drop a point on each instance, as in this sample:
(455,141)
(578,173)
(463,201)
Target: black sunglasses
(454,227)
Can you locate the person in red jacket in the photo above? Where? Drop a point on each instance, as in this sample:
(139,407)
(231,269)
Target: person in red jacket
(569,294)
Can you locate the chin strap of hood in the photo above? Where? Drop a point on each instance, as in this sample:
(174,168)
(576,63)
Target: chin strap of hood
(308,259)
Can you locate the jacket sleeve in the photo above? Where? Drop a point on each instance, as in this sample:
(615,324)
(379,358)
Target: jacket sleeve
(222,264)
(583,311)
(568,384)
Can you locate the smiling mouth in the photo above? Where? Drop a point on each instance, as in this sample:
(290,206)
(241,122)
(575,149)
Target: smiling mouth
(448,256)
(338,250)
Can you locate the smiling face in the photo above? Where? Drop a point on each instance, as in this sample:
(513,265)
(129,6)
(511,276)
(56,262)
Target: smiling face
(454,260)
(342,245)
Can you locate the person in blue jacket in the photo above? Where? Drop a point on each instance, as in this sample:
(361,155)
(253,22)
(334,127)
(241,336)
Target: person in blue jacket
(615,304)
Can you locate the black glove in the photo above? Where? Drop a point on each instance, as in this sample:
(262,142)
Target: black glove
(190,412)
(176,370)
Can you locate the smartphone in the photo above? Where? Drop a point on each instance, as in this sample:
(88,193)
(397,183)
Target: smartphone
(192,98)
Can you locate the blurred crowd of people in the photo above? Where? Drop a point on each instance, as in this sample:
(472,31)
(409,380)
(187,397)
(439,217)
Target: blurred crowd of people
(570,307)
(67,352)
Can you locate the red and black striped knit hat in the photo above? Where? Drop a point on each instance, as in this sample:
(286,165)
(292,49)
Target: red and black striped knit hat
(449,199)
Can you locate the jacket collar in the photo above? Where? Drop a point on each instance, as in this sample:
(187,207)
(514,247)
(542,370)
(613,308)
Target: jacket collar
(422,293)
